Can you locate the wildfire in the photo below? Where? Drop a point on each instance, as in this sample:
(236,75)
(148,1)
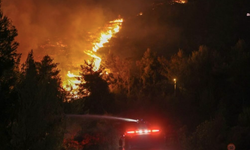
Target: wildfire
(181,1)
(71,82)
(113,28)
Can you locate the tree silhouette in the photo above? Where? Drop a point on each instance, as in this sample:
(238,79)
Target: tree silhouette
(52,99)
(39,122)
(99,99)
(9,60)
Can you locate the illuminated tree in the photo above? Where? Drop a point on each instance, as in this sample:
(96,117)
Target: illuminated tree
(201,81)
(119,75)
(152,74)
(149,68)
(176,68)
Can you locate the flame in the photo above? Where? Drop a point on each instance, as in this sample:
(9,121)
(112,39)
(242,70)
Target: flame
(181,1)
(71,75)
(97,60)
(71,83)
(113,28)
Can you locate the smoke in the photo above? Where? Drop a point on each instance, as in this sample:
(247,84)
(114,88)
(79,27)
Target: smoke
(71,20)
(64,29)
(59,28)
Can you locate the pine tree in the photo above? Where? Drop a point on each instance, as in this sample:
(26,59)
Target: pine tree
(99,99)
(39,123)
(9,60)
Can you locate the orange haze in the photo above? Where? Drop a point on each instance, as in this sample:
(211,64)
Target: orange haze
(63,29)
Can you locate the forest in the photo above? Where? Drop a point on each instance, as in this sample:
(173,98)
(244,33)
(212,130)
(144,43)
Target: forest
(198,85)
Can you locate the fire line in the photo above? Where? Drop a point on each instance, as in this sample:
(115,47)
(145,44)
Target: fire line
(71,82)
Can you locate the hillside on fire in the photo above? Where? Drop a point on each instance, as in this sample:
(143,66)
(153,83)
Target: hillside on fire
(73,74)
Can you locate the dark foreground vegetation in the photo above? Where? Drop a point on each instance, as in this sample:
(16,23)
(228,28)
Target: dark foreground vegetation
(207,107)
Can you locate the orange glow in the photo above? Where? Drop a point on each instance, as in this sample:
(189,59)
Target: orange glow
(71,81)
(71,84)
(181,1)
(71,75)
(112,28)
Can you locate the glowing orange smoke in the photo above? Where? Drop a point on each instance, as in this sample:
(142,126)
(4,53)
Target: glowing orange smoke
(71,82)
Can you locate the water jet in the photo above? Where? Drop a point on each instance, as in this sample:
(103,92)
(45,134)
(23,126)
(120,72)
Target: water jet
(101,117)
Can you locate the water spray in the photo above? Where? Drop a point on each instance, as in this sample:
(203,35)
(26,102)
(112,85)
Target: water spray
(102,117)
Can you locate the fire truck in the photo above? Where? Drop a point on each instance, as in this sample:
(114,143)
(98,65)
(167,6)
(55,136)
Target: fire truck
(142,135)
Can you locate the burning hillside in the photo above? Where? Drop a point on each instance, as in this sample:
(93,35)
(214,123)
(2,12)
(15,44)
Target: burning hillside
(69,62)
(71,32)
(70,82)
